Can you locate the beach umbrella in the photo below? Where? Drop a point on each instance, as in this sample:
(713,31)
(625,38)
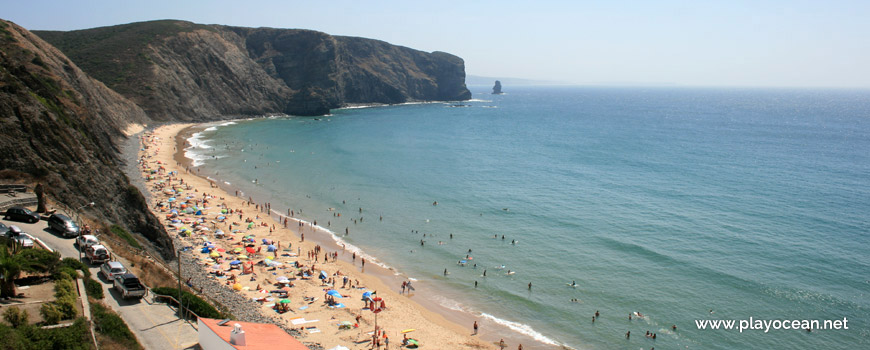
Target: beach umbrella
(322,274)
(243,256)
(205,249)
(367,295)
(215,254)
(235,262)
(238,249)
(334,293)
(271,248)
(251,250)
(285,301)
(171,199)
(221,250)
(237,286)
(223,211)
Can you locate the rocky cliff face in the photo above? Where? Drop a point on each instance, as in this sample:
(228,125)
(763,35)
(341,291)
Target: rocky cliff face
(60,127)
(183,71)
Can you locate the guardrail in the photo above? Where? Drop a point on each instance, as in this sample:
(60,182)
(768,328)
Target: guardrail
(18,202)
(181,309)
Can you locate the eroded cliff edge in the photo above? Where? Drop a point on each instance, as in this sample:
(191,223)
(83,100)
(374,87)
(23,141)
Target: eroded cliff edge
(60,128)
(181,71)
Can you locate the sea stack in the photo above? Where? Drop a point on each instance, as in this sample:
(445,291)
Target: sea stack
(496,90)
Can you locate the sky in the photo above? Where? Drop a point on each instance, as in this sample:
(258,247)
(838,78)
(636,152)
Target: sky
(684,43)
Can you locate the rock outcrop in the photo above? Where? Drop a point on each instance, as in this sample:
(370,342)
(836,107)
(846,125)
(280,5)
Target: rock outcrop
(496,89)
(179,70)
(60,127)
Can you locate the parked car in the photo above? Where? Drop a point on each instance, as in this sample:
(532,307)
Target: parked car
(21,214)
(97,254)
(63,224)
(128,286)
(110,269)
(85,241)
(15,233)
(3,228)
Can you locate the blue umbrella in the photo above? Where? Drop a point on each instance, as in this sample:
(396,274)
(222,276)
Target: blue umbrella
(271,248)
(235,262)
(367,295)
(334,293)
(205,249)
(323,275)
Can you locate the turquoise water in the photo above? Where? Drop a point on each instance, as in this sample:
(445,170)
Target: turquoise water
(669,202)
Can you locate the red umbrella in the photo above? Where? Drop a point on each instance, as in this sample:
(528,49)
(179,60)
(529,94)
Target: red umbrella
(250,250)
(221,250)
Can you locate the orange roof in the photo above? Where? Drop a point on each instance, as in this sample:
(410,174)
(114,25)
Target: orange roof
(257,335)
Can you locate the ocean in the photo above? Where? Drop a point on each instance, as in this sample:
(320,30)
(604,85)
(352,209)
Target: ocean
(680,204)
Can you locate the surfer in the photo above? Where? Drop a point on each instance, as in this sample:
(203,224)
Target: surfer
(573,283)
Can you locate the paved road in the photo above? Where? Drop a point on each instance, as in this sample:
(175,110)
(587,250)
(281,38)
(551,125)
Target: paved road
(155,324)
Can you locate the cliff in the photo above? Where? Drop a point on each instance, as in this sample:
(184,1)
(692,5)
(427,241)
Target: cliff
(63,125)
(61,128)
(179,70)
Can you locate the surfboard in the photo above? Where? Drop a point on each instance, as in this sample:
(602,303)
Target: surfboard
(408,330)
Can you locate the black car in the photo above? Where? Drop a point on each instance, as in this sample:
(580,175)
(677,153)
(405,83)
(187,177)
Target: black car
(63,224)
(21,214)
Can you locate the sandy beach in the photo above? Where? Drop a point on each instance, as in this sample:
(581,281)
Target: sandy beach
(200,209)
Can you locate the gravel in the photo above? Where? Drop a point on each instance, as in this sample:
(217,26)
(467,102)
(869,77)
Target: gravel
(242,308)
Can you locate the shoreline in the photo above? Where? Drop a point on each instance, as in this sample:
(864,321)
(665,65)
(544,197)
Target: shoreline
(434,328)
(426,297)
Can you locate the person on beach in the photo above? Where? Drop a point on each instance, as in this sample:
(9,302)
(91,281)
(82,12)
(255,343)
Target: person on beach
(475,328)
(501,344)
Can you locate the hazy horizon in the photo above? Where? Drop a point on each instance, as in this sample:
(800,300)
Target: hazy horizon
(673,43)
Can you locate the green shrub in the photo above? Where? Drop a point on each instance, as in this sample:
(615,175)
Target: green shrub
(50,313)
(64,287)
(108,323)
(93,288)
(192,302)
(15,316)
(75,264)
(123,234)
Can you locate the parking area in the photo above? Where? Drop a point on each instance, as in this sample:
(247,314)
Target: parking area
(154,324)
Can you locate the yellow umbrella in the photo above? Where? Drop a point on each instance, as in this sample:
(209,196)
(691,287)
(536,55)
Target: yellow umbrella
(237,286)
(215,254)
(243,256)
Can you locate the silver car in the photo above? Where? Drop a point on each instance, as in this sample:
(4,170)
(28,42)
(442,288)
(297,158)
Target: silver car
(110,269)
(20,236)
